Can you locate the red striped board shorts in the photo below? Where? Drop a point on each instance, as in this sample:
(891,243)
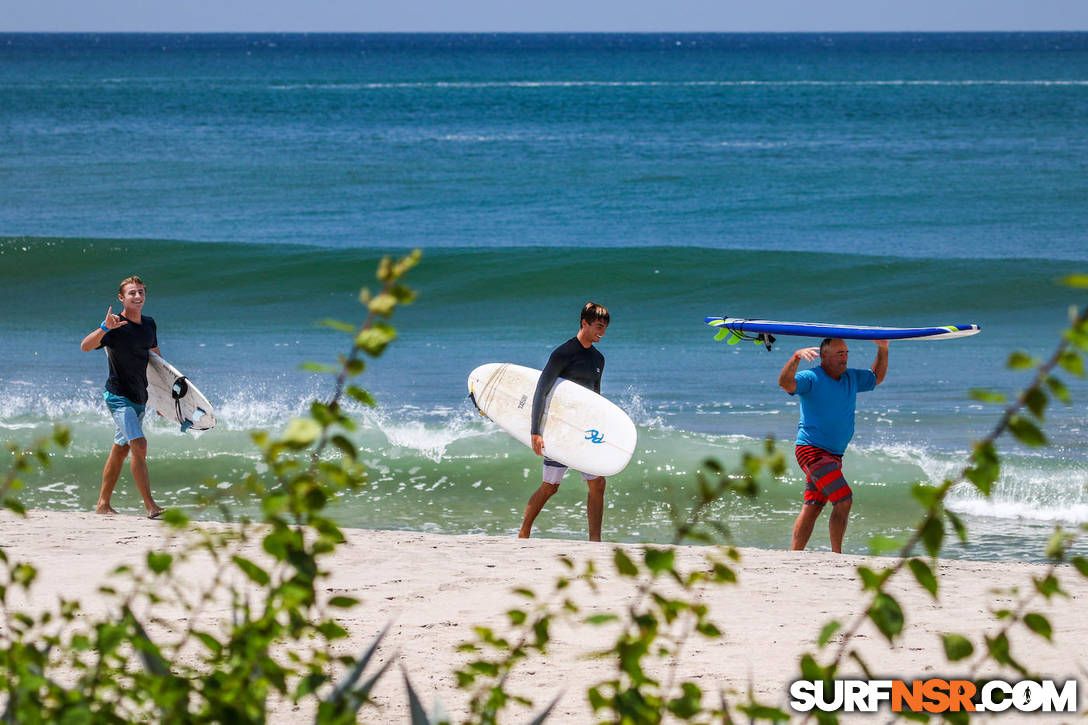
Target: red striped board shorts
(823,476)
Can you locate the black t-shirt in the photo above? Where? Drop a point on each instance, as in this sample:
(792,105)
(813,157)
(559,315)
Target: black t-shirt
(582,365)
(128,349)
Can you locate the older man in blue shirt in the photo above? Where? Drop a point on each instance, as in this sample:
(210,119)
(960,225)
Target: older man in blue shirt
(828,396)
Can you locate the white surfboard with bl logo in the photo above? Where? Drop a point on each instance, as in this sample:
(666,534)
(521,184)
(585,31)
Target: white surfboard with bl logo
(581,429)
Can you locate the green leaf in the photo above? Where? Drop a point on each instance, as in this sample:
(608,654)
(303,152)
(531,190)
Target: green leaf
(1058,388)
(924,575)
(926,495)
(1048,586)
(757,712)
(1026,432)
(598,619)
(1072,362)
(360,396)
(404,295)
(886,614)
(159,562)
(345,446)
(985,468)
(828,632)
(254,572)
(624,565)
(1021,361)
(213,645)
(322,414)
(415,707)
(15,506)
(374,340)
(956,647)
(957,525)
(998,647)
(870,579)
(312,367)
(345,689)
(1057,544)
(301,432)
(383,304)
(933,535)
(1040,625)
(811,670)
(987,396)
(687,705)
(149,653)
(62,436)
(343,602)
(1081,564)
(1076,281)
(708,629)
(879,545)
(175,518)
(659,560)
(337,325)
(331,630)
(1036,401)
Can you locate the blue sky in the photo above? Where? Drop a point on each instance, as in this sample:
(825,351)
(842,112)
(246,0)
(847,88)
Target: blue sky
(539,15)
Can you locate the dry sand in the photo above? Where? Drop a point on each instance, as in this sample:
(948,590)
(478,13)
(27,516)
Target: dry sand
(433,589)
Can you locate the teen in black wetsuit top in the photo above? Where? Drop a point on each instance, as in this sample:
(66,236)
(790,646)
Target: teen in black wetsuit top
(578,361)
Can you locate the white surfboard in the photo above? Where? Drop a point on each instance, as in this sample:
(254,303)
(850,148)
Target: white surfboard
(581,429)
(171,394)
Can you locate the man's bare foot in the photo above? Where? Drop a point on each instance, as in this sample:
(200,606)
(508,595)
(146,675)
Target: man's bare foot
(155,512)
(106,510)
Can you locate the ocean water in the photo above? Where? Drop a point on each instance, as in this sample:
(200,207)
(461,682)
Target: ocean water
(254,181)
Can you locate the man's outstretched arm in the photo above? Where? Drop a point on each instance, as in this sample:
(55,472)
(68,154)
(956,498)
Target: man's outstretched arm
(786,379)
(880,365)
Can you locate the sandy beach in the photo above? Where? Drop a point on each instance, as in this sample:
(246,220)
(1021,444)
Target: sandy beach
(432,589)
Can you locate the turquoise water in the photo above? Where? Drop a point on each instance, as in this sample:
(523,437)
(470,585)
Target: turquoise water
(254,181)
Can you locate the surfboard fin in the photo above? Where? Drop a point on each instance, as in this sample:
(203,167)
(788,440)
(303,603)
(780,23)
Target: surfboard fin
(722,333)
(472,397)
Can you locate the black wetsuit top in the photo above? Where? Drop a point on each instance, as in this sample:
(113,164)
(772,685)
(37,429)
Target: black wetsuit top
(582,365)
(128,349)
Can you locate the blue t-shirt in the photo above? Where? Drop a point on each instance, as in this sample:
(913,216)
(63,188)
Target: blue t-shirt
(827,407)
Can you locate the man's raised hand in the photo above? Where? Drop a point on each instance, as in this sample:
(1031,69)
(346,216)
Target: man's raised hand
(807,353)
(113,321)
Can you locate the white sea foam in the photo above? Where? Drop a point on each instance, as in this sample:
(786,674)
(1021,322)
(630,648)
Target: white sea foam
(1029,486)
(36,404)
(637,409)
(1032,511)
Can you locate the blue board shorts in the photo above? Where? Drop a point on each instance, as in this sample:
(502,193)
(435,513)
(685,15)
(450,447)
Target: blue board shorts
(554,472)
(127,415)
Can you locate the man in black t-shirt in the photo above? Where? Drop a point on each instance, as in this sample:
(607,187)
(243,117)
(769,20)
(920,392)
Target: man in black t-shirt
(578,361)
(128,338)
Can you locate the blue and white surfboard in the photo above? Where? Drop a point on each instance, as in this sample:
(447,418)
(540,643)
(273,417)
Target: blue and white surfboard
(736,329)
